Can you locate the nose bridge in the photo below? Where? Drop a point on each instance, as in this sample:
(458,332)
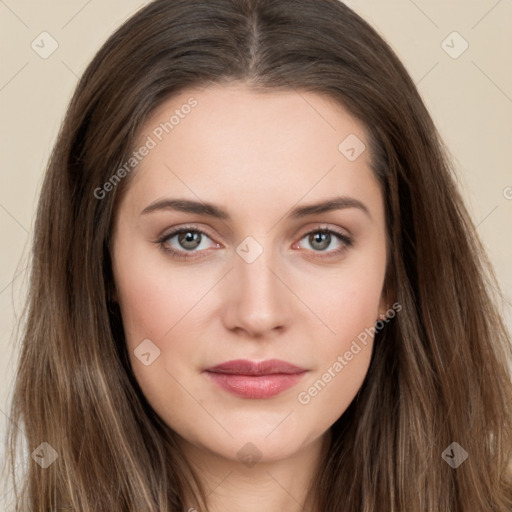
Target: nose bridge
(259,298)
(256,277)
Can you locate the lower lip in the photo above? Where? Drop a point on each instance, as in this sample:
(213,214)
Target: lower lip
(257,386)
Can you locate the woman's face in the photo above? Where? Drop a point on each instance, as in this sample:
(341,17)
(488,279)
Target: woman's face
(285,260)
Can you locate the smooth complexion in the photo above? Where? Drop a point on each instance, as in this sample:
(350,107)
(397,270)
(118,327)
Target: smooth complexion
(257,157)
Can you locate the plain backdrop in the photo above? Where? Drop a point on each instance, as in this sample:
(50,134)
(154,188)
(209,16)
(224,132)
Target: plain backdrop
(459,53)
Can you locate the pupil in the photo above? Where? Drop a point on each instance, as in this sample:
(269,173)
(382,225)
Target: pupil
(190,240)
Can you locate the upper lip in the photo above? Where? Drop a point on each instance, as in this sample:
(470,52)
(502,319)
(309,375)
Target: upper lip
(245,367)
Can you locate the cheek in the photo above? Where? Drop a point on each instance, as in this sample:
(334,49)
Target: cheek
(328,393)
(158,315)
(343,353)
(153,296)
(147,306)
(346,299)
(347,304)
(162,304)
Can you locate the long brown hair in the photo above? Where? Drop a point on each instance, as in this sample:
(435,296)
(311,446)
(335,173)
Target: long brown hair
(439,371)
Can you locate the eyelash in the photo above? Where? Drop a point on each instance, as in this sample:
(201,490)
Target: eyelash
(344,239)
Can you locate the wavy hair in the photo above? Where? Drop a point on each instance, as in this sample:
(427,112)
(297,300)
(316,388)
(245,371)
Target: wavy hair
(439,372)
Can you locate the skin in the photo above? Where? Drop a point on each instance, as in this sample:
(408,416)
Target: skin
(256,155)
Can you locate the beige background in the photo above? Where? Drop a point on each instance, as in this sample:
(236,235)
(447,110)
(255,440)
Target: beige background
(469,97)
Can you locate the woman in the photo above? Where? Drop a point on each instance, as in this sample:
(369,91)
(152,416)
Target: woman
(255,284)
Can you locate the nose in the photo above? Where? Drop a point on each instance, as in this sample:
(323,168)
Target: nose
(257,299)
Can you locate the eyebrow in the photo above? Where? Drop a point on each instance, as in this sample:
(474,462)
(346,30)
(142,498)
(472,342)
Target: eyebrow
(211,210)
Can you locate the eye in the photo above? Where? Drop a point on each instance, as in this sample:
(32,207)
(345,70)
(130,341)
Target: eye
(187,240)
(321,239)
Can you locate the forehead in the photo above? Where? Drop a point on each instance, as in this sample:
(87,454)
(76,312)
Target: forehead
(230,142)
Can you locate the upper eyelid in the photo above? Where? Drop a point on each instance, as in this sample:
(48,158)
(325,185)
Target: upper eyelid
(173,232)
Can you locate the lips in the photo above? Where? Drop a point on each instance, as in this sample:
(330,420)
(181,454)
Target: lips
(245,367)
(255,380)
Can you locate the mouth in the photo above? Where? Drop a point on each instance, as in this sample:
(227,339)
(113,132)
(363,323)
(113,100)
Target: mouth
(255,380)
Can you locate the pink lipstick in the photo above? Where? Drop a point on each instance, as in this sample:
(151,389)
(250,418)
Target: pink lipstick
(249,379)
